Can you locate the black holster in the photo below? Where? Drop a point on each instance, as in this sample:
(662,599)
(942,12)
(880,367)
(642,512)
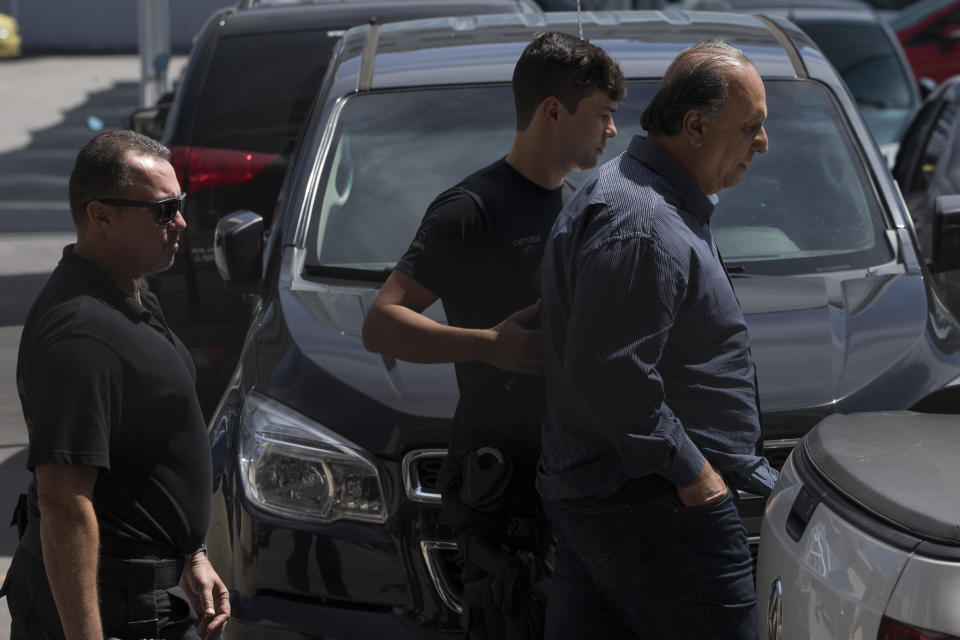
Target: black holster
(495,520)
(19,519)
(510,596)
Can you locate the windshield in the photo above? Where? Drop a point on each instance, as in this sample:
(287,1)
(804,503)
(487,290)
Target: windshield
(806,206)
(258,102)
(866,60)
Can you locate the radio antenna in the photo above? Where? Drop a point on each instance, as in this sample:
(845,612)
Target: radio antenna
(579,20)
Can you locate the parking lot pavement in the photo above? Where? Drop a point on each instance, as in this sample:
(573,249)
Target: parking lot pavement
(48,103)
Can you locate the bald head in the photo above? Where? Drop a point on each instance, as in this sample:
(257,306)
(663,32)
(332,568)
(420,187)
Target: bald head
(106,167)
(699,79)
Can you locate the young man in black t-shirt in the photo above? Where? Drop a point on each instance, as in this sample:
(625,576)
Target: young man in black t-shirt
(478,250)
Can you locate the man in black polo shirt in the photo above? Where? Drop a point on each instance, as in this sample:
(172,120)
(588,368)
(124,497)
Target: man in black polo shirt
(478,250)
(120,502)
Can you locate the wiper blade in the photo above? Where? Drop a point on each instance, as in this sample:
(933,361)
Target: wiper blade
(349,273)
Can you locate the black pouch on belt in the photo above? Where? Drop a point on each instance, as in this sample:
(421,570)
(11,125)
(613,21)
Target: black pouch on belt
(20,516)
(486,478)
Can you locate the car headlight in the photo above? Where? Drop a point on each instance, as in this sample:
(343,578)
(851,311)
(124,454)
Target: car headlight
(293,467)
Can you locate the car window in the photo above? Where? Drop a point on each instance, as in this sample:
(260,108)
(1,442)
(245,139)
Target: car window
(926,142)
(911,146)
(866,60)
(917,12)
(936,147)
(806,206)
(258,88)
(933,34)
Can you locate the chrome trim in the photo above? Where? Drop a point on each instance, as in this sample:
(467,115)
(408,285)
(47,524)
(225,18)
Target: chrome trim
(753,541)
(953,382)
(313,176)
(429,548)
(785,443)
(791,49)
(775,611)
(411,481)
(365,79)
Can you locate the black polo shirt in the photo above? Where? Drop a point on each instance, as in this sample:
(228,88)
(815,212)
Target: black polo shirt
(104,382)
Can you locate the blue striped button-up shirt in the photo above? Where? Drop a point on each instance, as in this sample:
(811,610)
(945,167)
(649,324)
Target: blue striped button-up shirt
(647,358)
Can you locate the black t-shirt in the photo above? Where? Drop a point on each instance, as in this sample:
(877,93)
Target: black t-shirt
(482,260)
(104,382)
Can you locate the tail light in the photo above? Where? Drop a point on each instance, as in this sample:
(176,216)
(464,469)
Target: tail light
(892,630)
(204,167)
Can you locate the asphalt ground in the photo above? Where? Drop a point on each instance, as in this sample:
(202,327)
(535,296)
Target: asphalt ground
(48,105)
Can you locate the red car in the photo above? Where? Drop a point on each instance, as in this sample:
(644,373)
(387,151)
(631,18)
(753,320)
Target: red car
(930,34)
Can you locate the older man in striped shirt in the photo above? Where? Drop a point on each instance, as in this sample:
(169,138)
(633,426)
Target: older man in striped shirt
(652,418)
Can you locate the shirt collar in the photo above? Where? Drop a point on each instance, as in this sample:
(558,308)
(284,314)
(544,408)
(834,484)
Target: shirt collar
(105,286)
(692,198)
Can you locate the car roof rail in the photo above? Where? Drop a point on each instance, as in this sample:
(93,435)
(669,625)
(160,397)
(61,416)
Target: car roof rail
(787,43)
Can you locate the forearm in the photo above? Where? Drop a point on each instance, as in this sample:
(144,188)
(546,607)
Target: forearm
(625,304)
(627,400)
(70,540)
(403,333)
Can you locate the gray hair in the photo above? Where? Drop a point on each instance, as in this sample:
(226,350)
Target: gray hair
(695,80)
(102,168)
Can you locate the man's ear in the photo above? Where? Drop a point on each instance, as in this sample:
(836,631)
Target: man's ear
(98,214)
(552,111)
(693,125)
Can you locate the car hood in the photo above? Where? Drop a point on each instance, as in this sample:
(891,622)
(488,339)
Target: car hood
(821,345)
(824,345)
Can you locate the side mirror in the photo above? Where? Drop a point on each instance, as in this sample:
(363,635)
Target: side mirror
(150,121)
(238,248)
(946,234)
(927,85)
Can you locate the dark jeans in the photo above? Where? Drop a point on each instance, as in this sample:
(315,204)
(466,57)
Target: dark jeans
(34,613)
(639,564)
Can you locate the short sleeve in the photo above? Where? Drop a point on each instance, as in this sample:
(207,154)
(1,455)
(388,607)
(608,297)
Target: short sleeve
(74,398)
(440,253)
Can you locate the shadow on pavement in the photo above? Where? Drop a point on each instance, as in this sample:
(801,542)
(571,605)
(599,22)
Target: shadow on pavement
(14,479)
(33,188)
(33,180)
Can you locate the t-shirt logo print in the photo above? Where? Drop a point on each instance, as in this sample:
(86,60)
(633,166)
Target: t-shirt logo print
(528,244)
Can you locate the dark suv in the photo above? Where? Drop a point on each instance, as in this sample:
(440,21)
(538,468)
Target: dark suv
(326,512)
(239,105)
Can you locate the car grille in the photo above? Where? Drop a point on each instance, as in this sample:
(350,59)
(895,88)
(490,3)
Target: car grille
(440,557)
(421,472)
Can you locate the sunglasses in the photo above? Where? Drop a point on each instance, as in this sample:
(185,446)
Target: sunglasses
(163,210)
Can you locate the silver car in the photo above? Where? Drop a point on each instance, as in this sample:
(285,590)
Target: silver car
(861,537)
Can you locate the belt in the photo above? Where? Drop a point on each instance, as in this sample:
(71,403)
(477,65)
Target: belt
(158,570)
(140,575)
(137,578)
